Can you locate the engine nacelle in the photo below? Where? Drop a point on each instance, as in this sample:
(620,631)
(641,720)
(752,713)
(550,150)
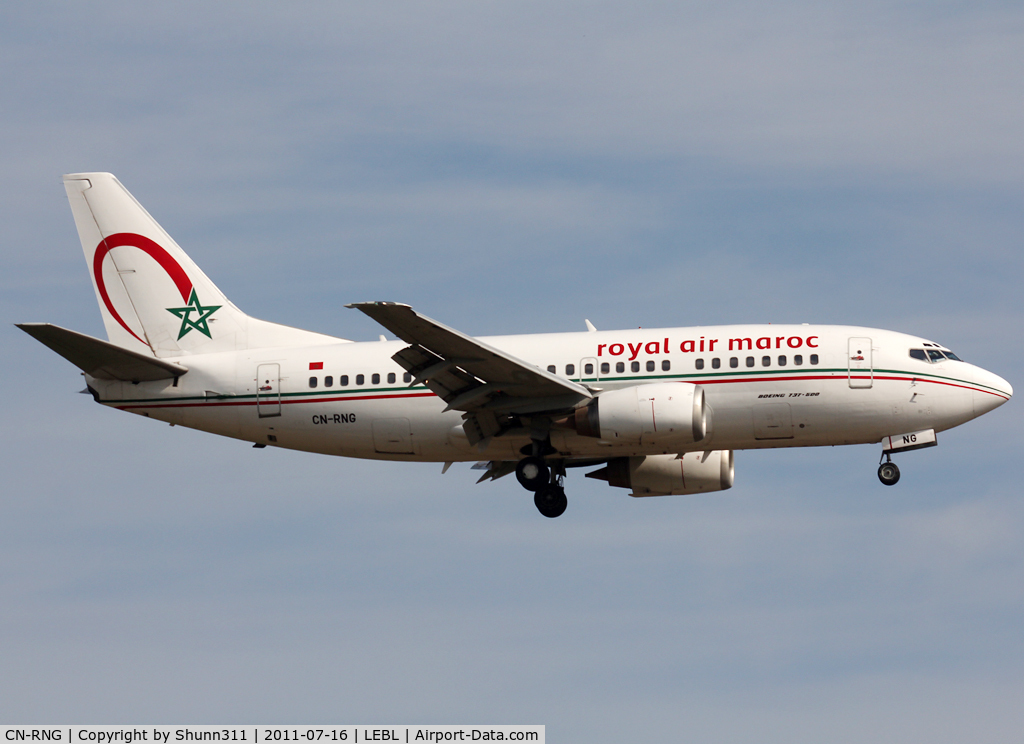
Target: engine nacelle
(668,475)
(645,414)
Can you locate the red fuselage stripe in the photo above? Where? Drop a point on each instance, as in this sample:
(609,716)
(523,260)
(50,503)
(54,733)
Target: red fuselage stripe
(274,402)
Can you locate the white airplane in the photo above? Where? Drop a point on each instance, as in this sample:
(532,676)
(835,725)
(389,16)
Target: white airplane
(659,411)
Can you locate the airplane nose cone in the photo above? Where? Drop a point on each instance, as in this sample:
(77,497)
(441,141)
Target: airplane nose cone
(995,391)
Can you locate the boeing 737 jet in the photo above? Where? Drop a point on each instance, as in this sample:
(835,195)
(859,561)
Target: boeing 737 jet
(659,411)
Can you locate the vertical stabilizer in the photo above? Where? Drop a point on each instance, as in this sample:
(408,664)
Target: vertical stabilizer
(149,291)
(151,295)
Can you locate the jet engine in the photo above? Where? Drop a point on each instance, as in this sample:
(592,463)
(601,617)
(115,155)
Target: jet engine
(668,475)
(645,414)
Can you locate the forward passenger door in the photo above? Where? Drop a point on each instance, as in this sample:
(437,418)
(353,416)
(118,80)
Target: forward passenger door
(860,370)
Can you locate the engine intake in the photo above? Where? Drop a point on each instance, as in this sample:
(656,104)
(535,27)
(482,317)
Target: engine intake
(645,414)
(670,475)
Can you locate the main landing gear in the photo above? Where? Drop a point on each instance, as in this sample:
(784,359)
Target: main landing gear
(532,473)
(546,483)
(888,473)
(550,500)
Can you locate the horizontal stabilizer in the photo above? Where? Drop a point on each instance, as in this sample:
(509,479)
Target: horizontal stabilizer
(101,359)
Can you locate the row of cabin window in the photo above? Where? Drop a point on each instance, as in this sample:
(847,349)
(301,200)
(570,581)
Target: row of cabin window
(666,365)
(766,361)
(620,367)
(360,380)
(588,369)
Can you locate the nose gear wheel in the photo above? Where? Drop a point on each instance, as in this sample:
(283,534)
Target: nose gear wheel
(888,473)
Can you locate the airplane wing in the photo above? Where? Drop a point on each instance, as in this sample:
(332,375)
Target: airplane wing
(101,359)
(480,380)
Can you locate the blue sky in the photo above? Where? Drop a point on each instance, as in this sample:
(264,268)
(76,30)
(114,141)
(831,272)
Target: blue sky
(518,168)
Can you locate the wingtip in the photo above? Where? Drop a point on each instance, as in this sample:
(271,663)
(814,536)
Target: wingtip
(33,329)
(375,303)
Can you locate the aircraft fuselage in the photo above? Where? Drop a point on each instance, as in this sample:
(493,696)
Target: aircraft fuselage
(767,386)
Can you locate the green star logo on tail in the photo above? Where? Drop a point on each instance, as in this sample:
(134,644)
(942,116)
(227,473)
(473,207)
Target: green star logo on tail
(203,314)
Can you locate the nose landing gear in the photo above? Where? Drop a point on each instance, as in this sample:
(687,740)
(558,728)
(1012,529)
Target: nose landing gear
(888,473)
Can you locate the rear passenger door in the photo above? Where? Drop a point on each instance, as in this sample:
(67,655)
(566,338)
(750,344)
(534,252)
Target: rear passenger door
(268,390)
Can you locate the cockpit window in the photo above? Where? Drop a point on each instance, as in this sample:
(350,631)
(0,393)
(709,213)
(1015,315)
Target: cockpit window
(933,356)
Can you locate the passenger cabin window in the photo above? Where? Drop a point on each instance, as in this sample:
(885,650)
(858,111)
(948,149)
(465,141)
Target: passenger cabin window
(570,369)
(766,361)
(588,369)
(634,366)
(666,365)
(391,377)
(375,379)
(798,359)
(328,381)
(407,378)
(814,358)
(312,382)
(620,367)
(750,361)
(360,379)
(734,362)
(782,360)
(698,363)
(650,365)
(343,380)
(552,369)
(716,363)
(605,368)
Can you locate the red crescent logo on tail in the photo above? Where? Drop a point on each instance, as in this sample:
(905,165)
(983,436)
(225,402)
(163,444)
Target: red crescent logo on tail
(151,248)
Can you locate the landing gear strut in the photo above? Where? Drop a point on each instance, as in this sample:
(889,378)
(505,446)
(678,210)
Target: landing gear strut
(888,473)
